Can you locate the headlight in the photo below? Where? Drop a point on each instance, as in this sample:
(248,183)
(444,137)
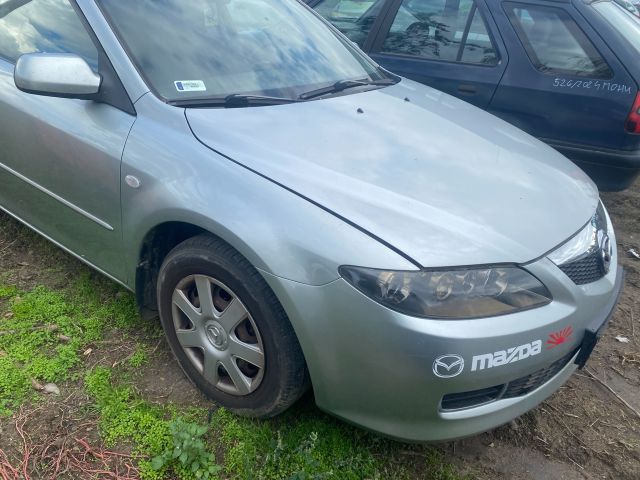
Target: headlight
(451,294)
(587,241)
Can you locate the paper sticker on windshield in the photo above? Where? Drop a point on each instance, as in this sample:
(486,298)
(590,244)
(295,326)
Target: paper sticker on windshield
(190,86)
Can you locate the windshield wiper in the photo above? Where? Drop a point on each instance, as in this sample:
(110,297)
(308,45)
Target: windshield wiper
(237,100)
(234,100)
(341,85)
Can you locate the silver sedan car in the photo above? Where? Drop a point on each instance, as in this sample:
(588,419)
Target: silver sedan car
(298,216)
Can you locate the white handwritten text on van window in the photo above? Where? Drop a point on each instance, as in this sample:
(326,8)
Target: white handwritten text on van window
(592,85)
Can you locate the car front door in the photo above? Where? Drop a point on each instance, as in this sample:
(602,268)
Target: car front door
(60,157)
(451,45)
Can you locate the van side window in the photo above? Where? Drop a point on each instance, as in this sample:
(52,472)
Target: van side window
(554,42)
(354,18)
(449,30)
(43,26)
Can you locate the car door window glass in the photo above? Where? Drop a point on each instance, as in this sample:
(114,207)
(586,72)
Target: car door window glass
(449,30)
(45,26)
(555,43)
(354,18)
(478,47)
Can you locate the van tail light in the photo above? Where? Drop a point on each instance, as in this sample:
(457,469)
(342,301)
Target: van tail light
(633,120)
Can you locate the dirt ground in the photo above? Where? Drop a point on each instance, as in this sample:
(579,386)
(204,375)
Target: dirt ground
(584,431)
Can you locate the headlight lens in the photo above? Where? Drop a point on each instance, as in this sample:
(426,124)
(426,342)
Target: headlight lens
(451,294)
(583,243)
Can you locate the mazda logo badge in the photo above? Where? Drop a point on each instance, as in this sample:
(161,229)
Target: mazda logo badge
(447,366)
(606,252)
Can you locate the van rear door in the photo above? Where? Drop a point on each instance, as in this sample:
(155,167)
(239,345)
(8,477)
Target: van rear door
(563,83)
(621,30)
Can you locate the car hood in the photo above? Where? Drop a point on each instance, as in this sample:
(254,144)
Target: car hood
(442,181)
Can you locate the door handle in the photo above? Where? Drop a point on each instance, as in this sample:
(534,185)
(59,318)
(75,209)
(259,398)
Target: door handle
(468,89)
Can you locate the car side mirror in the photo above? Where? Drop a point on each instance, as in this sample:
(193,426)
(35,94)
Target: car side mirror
(56,75)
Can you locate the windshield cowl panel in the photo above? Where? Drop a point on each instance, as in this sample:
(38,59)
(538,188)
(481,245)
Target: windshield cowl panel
(213,49)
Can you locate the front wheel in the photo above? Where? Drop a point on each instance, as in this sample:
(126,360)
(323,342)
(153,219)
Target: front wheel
(227,329)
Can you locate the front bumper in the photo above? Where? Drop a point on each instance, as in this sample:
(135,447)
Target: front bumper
(375,367)
(596,328)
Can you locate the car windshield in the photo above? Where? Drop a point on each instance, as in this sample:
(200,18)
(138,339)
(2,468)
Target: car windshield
(627,24)
(202,49)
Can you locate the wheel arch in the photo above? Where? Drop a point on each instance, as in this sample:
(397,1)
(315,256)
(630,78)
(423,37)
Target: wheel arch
(158,240)
(155,246)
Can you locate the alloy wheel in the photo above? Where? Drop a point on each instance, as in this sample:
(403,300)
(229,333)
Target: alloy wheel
(218,334)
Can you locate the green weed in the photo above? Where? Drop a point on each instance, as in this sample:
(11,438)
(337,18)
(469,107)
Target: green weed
(305,444)
(174,444)
(7,291)
(44,332)
(188,453)
(124,416)
(301,446)
(139,358)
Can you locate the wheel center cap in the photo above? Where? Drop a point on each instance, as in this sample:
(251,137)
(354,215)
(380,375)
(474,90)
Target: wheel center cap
(216,335)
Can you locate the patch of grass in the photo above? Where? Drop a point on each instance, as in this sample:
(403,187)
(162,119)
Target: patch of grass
(14,385)
(139,358)
(173,444)
(304,447)
(301,445)
(125,416)
(305,444)
(188,453)
(8,291)
(44,332)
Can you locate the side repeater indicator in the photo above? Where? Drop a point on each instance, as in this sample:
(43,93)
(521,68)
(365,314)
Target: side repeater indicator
(132,181)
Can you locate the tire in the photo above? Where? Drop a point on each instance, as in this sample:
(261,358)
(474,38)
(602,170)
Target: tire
(250,363)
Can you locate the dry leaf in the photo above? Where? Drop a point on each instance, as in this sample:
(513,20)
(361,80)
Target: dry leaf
(36,385)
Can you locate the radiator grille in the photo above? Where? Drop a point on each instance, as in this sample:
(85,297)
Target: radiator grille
(585,270)
(582,257)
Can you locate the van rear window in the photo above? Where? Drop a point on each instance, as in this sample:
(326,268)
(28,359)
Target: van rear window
(555,43)
(627,24)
